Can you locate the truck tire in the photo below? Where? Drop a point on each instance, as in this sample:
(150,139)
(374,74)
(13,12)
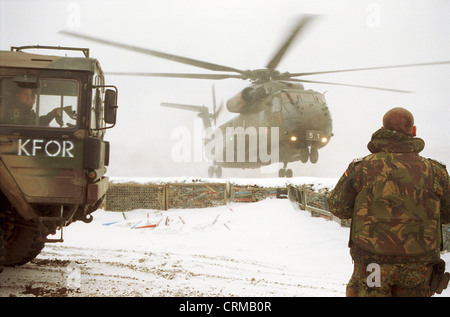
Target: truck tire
(22,244)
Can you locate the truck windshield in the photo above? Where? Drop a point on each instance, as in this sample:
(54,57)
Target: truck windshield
(45,103)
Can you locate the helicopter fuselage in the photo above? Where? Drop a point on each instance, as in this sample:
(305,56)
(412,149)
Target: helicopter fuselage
(274,116)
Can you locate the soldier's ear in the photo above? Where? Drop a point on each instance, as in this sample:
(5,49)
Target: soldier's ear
(414,130)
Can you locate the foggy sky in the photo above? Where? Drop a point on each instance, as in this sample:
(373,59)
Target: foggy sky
(245,34)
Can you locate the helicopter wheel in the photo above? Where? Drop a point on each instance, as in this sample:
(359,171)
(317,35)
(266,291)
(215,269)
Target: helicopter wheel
(314,156)
(217,170)
(304,154)
(211,171)
(289,173)
(283,172)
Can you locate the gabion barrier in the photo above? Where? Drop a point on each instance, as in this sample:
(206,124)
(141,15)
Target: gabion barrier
(195,195)
(253,193)
(313,197)
(130,196)
(446,236)
(314,201)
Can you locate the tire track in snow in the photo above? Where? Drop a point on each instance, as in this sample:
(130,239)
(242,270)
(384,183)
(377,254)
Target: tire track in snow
(72,271)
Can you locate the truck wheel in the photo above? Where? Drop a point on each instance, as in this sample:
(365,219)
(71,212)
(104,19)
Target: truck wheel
(22,244)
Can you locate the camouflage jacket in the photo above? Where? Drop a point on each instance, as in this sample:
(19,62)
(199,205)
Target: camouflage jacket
(396,200)
(22,114)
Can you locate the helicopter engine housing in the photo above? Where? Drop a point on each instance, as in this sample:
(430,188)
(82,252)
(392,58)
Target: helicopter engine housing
(244,101)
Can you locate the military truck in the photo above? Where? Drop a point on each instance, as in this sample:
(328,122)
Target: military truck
(54,111)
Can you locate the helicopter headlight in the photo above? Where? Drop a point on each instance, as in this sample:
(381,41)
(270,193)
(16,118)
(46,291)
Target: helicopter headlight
(324,140)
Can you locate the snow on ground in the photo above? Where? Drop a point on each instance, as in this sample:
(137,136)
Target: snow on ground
(264,249)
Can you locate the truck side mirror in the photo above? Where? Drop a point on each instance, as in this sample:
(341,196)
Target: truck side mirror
(110,106)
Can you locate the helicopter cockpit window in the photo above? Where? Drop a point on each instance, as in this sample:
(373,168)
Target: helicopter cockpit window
(45,103)
(319,98)
(307,97)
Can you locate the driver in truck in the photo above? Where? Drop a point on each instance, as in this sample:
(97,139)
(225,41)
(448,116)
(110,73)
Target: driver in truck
(21,112)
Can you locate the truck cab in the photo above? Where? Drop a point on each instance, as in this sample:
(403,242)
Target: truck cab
(54,112)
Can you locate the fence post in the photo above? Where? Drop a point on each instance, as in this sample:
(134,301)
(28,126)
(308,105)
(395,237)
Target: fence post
(304,196)
(166,197)
(225,194)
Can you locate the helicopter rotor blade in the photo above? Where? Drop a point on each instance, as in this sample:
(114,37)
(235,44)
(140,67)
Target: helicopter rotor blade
(347,85)
(300,27)
(368,68)
(177,75)
(184,107)
(171,57)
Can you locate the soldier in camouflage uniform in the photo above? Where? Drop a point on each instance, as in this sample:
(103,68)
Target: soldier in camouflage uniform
(22,112)
(397,201)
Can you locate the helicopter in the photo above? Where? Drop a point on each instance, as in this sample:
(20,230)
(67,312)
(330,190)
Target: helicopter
(275,111)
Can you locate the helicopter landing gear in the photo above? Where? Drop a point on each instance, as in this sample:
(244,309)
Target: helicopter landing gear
(314,155)
(217,170)
(283,172)
(304,154)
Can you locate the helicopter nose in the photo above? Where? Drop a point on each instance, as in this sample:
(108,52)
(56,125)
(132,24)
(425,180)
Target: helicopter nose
(290,117)
(306,124)
(292,124)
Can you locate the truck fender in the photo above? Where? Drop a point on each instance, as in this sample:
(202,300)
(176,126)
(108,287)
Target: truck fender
(11,190)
